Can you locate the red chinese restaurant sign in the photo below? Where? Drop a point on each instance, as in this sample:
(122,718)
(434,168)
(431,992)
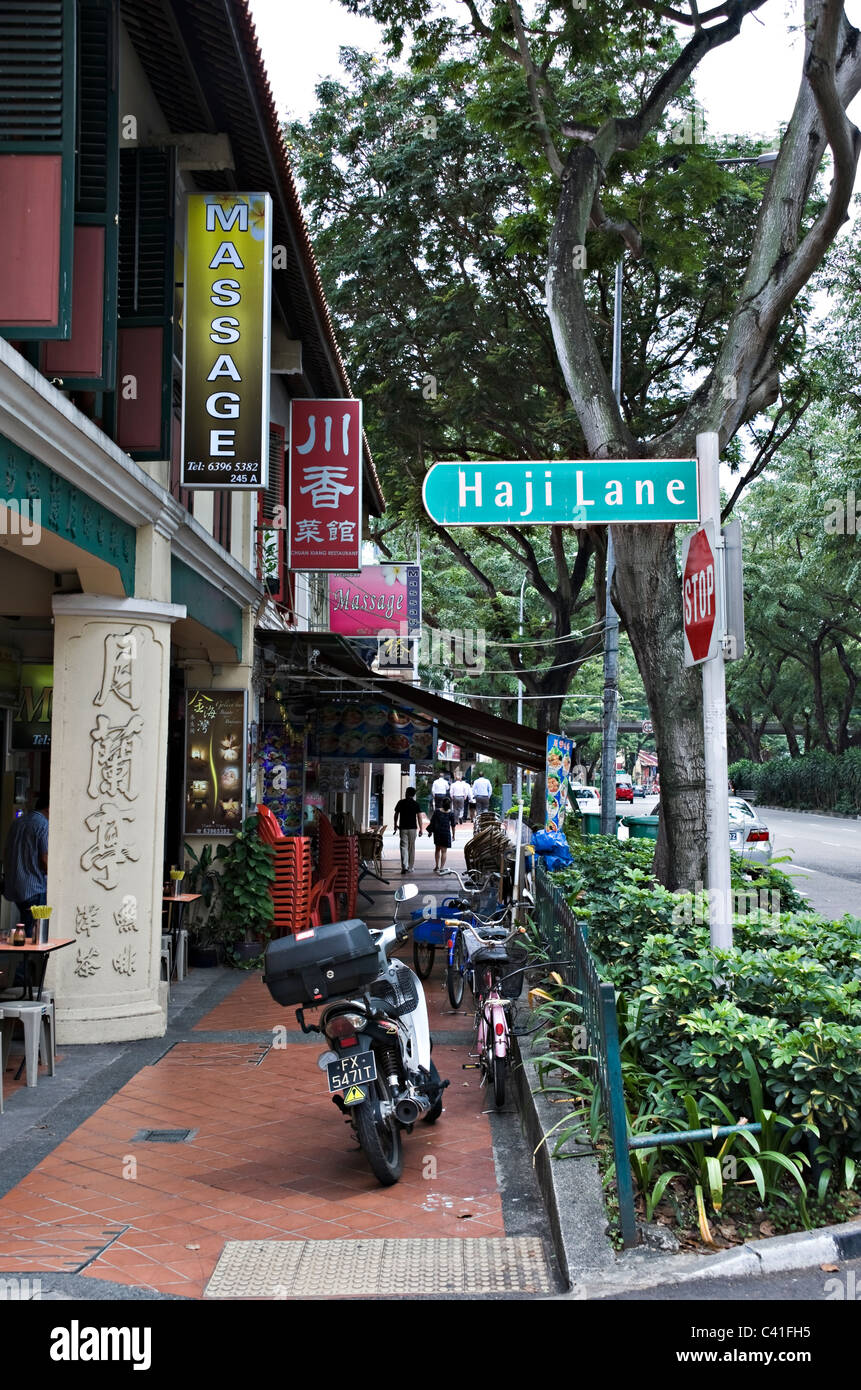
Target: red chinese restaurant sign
(325,479)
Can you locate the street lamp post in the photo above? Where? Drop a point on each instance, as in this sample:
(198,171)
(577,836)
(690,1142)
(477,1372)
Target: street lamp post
(611,617)
(520,694)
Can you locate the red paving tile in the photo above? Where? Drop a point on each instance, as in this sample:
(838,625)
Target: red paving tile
(272,1159)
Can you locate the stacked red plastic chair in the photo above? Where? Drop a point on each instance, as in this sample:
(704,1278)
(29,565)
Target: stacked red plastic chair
(291,891)
(339,853)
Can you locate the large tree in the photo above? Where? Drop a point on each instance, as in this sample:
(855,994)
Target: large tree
(581,94)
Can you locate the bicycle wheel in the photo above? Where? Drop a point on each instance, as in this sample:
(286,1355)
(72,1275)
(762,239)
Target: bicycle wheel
(454,974)
(381,1143)
(500,1071)
(423,958)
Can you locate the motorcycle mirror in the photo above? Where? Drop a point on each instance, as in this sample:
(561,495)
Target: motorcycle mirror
(406,891)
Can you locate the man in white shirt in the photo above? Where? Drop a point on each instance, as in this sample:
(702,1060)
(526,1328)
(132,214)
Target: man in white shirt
(460,793)
(482,790)
(439,790)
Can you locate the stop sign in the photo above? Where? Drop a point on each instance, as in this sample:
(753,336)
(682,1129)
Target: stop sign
(699,595)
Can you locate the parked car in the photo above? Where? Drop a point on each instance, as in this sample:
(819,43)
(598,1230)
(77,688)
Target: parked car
(748,834)
(587,798)
(639,789)
(624,787)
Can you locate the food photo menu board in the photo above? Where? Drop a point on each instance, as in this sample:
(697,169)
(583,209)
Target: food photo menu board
(282,759)
(369,731)
(558,770)
(216,735)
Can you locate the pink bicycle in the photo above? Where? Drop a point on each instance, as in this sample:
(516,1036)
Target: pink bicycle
(489,965)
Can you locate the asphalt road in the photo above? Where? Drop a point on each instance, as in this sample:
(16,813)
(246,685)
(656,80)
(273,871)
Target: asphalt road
(825,853)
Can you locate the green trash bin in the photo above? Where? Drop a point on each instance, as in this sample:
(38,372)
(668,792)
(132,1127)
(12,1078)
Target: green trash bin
(591,822)
(642,827)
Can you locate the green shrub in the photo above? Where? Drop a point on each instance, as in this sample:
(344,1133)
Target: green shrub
(817,781)
(788,994)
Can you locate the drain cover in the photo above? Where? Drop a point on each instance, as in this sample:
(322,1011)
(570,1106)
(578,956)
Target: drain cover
(163,1136)
(376,1268)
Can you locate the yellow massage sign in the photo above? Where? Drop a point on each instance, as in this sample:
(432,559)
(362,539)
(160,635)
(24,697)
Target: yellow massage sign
(225,379)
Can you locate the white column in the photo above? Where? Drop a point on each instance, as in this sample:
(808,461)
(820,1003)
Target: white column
(714,720)
(106,845)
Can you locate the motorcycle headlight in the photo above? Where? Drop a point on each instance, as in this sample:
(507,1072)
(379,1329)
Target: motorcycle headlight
(345,1025)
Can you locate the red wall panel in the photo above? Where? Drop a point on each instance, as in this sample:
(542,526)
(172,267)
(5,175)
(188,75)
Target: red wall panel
(30,197)
(139,378)
(81,356)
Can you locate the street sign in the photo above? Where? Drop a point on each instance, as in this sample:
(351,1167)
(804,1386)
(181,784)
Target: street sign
(699,595)
(573,492)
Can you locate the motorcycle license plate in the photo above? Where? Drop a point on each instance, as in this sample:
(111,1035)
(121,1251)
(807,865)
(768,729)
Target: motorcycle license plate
(350,1073)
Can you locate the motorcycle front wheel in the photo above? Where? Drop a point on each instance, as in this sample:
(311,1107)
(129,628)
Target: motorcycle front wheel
(381,1143)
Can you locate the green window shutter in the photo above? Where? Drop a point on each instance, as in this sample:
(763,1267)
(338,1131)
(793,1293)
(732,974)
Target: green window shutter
(37,158)
(88,360)
(145,299)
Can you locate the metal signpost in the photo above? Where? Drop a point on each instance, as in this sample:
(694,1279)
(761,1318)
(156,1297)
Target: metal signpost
(703,610)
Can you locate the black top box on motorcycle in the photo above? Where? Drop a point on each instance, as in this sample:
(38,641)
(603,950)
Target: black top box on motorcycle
(323,963)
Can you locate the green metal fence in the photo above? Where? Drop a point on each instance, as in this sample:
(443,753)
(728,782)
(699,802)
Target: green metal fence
(567,939)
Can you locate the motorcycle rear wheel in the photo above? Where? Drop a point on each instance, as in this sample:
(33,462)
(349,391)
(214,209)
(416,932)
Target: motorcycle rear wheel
(381,1143)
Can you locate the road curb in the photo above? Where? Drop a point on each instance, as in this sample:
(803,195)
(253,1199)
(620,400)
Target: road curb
(571,1191)
(573,1198)
(804,1250)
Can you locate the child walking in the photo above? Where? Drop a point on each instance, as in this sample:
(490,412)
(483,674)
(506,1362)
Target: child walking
(441,826)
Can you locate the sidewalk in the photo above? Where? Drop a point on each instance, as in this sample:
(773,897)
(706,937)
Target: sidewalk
(266,1158)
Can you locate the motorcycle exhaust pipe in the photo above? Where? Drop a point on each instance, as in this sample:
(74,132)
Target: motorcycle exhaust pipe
(411,1108)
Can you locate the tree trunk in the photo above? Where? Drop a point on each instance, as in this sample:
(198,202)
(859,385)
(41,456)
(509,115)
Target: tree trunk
(787,723)
(647,592)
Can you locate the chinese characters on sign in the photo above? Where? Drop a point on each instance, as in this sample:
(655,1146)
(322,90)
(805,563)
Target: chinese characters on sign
(325,482)
(216,740)
(225,378)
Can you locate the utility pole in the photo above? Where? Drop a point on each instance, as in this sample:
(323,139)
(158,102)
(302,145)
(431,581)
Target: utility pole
(611,618)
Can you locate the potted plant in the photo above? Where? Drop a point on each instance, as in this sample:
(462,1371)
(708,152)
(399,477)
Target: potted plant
(244,907)
(235,907)
(202,877)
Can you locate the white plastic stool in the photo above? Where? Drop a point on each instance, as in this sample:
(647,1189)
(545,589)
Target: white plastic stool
(13,996)
(38,1021)
(166,956)
(182,953)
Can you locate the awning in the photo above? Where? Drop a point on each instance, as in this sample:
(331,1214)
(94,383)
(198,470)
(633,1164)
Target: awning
(461,724)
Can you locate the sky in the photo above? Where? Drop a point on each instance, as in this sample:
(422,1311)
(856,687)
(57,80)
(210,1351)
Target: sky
(746,87)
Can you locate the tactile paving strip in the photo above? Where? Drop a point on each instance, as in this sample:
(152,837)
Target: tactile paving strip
(379,1268)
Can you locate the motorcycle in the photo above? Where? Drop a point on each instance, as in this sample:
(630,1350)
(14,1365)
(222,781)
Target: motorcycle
(374,1018)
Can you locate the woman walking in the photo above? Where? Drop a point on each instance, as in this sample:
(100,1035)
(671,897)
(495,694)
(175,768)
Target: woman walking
(441,826)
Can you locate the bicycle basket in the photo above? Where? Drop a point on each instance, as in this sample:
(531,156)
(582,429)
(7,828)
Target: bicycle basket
(400,996)
(512,983)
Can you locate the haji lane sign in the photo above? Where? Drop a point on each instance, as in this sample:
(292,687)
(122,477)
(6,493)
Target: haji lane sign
(573,492)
